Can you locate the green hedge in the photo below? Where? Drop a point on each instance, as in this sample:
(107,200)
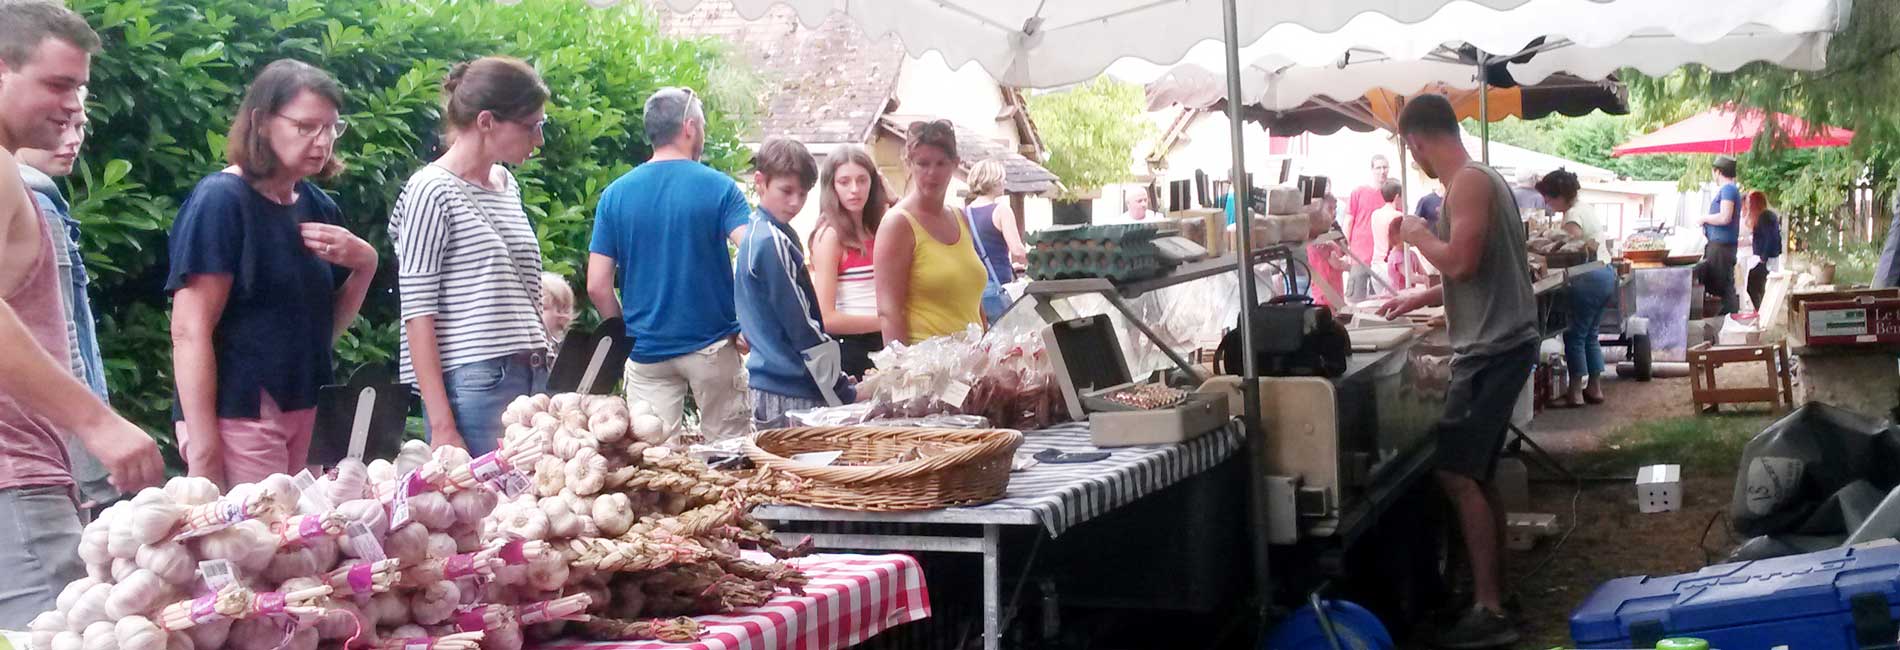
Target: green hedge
(173,71)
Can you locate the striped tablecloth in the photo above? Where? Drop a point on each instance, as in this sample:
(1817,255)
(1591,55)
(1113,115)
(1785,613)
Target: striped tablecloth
(851,598)
(1065,495)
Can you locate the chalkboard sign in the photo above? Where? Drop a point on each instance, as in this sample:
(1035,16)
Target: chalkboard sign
(590,363)
(363,419)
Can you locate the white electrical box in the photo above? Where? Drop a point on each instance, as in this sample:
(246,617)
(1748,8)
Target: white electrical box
(1659,488)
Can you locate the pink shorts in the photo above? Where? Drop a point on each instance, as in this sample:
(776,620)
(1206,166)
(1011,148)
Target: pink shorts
(275,442)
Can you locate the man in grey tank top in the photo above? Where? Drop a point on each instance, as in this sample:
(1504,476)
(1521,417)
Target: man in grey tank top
(1489,306)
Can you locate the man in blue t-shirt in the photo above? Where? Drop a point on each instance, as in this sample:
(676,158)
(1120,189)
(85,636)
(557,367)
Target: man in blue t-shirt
(1723,230)
(662,231)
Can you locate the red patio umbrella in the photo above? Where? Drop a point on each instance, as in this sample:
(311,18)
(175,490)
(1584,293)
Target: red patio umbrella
(1724,131)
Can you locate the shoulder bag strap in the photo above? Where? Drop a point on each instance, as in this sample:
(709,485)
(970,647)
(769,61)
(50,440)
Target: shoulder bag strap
(982,252)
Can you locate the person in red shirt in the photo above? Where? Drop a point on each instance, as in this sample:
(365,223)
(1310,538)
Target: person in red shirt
(1359,231)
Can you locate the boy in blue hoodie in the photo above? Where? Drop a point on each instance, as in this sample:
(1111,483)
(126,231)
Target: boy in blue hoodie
(794,365)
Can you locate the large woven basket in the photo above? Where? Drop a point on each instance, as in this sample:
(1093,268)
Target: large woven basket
(975,470)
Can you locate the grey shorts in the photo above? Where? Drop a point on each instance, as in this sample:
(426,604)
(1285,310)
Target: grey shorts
(769,409)
(1484,392)
(39,546)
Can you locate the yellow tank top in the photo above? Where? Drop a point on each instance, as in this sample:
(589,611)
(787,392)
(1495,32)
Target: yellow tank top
(946,283)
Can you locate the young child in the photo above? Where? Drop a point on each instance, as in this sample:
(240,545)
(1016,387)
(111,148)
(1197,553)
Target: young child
(794,365)
(557,308)
(1388,253)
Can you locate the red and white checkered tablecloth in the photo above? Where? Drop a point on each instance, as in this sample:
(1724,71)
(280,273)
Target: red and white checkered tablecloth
(851,598)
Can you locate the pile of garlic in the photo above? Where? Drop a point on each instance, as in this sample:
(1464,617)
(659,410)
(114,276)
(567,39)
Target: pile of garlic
(386,556)
(646,531)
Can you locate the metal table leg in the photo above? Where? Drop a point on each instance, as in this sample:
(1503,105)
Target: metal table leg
(992,587)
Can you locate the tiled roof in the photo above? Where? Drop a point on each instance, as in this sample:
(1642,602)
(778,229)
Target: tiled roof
(1020,174)
(821,85)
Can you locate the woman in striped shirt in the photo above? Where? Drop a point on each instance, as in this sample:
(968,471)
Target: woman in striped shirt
(851,203)
(469,263)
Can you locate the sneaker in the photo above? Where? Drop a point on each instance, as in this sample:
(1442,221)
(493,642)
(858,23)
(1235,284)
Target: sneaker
(1478,628)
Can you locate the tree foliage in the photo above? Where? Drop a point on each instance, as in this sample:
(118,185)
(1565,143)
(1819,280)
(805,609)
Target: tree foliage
(1588,140)
(172,72)
(1089,130)
(1854,91)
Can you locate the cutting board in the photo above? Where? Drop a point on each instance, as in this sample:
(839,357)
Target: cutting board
(1381,338)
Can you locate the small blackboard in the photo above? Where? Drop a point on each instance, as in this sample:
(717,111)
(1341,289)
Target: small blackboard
(590,363)
(363,419)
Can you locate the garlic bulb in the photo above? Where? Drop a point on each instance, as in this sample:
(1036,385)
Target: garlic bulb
(89,608)
(100,636)
(471,506)
(410,631)
(413,454)
(122,569)
(192,491)
(289,564)
(137,594)
(432,510)
(179,641)
(284,490)
(586,471)
(153,522)
(152,495)
(564,402)
(550,573)
(380,471)
(351,482)
(45,627)
(613,514)
(210,635)
(435,603)
(441,545)
(648,428)
(524,519)
(138,633)
(170,561)
(259,633)
(450,457)
(506,636)
(303,639)
(68,641)
(550,476)
(388,609)
(249,545)
(339,620)
(71,593)
(561,520)
(410,543)
(122,540)
(367,511)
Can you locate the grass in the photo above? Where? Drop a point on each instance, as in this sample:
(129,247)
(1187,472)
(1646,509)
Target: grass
(1703,443)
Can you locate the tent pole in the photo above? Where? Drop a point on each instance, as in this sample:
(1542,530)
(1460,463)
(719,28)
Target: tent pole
(1250,374)
(1484,115)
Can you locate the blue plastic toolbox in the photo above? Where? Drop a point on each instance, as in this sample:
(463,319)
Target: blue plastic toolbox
(1828,600)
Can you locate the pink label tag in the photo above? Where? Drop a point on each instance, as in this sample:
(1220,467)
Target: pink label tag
(311,528)
(487,467)
(417,644)
(459,565)
(414,484)
(512,553)
(270,602)
(204,610)
(473,620)
(361,578)
(230,512)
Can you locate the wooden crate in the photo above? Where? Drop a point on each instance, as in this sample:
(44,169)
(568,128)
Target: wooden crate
(1705,359)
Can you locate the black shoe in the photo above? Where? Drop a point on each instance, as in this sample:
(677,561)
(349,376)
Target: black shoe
(1478,628)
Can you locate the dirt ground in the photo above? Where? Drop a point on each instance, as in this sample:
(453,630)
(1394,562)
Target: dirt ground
(1612,539)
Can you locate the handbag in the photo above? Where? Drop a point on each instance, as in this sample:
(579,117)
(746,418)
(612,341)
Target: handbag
(995,300)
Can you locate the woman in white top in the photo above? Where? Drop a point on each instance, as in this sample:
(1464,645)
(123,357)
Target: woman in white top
(1589,293)
(851,202)
(470,270)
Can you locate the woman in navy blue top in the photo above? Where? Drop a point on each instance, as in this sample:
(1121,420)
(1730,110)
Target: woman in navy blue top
(993,227)
(263,279)
(1765,226)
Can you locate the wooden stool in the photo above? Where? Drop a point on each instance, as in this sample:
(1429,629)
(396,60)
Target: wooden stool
(1704,359)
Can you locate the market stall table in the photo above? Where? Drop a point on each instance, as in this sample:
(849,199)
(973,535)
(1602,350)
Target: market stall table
(1055,497)
(850,599)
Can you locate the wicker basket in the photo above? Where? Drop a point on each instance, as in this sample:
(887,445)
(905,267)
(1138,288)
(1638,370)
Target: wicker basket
(976,470)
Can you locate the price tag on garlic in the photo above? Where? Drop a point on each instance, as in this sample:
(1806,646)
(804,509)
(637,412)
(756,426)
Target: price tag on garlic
(218,574)
(955,393)
(511,483)
(361,538)
(310,502)
(399,504)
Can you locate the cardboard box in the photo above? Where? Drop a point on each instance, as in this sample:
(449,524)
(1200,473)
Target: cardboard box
(1659,488)
(1859,317)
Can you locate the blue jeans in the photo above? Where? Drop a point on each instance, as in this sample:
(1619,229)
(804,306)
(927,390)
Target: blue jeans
(39,546)
(481,390)
(1589,294)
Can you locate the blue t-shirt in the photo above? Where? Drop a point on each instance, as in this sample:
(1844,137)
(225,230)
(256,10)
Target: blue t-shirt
(1731,232)
(666,224)
(275,332)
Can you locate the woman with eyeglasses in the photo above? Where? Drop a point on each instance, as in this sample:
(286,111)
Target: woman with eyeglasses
(264,278)
(929,278)
(468,262)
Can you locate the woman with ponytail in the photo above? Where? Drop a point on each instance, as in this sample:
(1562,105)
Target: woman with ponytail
(469,264)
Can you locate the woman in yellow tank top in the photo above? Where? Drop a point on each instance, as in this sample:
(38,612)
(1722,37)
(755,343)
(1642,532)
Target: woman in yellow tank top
(929,278)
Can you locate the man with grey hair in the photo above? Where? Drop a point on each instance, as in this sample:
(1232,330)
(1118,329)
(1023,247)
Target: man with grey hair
(661,231)
(1136,202)
(1525,191)
(45,61)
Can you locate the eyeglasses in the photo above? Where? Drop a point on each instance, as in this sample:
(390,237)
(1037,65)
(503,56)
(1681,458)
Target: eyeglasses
(311,129)
(537,126)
